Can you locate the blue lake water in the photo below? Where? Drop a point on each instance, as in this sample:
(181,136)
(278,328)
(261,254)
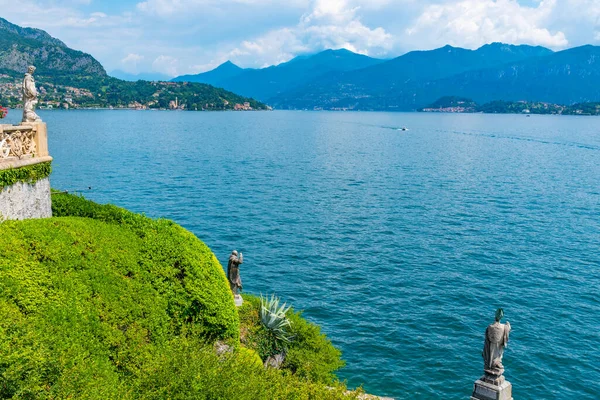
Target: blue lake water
(401,245)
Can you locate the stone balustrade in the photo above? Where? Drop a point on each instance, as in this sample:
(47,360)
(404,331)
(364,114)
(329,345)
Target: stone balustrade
(22,145)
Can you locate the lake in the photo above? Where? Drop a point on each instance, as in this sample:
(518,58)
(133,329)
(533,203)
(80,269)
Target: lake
(399,244)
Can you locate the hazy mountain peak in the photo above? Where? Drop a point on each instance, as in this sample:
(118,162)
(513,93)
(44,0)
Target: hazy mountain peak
(228,65)
(511,52)
(340,51)
(511,47)
(225,71)
(142,76)
(449,48)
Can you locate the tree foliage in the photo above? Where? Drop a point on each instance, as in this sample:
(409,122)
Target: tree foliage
(27,174)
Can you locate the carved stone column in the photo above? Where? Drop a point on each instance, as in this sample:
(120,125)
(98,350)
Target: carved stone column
(41,139)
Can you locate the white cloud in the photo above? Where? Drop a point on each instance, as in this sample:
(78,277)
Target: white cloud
(189,36)
(130,62)
(132,58)
(190,8)
(166,64)
(472,23)
(328,24)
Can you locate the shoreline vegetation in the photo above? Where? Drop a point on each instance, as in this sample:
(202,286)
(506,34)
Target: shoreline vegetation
(462,105)
(57,92)
(99,302)
(496,107)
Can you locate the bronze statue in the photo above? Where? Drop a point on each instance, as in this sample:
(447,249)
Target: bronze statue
(496,340)
(30,97)
(233,272)
(493,385)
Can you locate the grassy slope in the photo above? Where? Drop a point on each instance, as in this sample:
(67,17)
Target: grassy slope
(103,303)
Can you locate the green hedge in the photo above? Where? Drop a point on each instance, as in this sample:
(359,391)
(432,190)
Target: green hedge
(84,300)
(102,303)
(28,174)
(182,266)
(184,372)
(310,355)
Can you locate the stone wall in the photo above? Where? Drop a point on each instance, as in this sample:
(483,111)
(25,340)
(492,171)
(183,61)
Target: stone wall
(26,200)
(23,146)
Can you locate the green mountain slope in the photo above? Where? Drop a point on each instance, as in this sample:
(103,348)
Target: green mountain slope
(21,47)
(71,78)
(29,33)
(217,77)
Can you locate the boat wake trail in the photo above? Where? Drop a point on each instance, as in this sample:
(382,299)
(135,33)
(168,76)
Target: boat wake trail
(529,139)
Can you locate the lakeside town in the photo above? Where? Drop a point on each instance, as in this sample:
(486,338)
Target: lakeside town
(452,104)
(66,97)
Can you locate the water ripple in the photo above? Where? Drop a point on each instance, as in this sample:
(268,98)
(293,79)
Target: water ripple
(399,244)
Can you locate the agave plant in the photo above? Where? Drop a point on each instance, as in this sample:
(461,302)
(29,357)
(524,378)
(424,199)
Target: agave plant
(272,316)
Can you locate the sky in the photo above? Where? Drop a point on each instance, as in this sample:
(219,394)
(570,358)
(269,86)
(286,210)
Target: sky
(176,37)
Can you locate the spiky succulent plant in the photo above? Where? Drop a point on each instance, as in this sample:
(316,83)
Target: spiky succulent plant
(273,317)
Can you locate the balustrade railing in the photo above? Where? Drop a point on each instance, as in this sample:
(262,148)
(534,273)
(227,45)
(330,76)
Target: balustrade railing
(20,142)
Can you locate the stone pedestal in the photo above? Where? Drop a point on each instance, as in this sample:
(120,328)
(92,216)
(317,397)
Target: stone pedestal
(238,300)
(487,388)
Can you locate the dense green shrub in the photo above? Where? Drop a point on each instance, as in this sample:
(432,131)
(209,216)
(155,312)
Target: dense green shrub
(309,355)
(250,356)
(253,333)
(27,174)
(181,265)
(119,306)
(184,372)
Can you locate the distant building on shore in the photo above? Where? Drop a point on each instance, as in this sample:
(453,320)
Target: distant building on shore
(242,107)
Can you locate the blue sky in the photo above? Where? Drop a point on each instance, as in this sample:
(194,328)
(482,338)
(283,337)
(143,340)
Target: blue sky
(188,36)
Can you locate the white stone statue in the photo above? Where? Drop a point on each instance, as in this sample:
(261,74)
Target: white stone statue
(30,97)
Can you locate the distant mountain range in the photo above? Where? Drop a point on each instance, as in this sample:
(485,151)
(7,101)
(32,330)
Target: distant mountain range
(143,76)
(332,79)
(71,78)
(340,79)
(267,83)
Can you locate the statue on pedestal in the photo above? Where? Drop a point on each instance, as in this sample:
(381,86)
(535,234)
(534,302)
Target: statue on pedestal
(233,275)
(496,340)
(30,97)
(492,385)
